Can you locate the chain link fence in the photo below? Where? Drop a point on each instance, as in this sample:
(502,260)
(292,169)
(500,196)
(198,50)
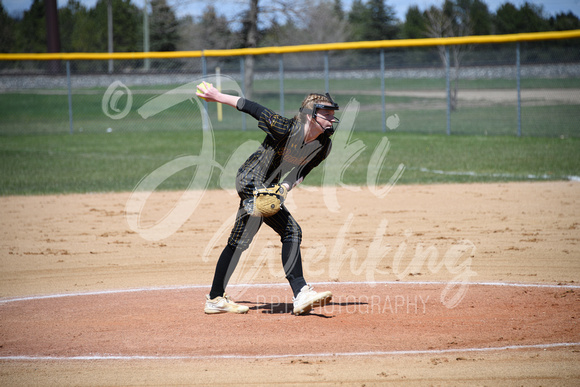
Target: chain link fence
(527,89)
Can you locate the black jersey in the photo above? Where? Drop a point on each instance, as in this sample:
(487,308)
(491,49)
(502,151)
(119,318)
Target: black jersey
(283,156)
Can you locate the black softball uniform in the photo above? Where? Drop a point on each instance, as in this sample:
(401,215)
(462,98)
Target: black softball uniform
(283,157)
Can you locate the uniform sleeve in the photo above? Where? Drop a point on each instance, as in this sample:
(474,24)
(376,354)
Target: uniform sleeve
(250,107)
(273,124)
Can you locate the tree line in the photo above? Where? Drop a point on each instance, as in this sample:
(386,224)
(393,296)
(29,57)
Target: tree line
(279,22)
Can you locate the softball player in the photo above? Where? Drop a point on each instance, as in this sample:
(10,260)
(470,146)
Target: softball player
(290,150)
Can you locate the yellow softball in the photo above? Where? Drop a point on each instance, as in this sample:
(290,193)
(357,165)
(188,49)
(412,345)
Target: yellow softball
(202,88)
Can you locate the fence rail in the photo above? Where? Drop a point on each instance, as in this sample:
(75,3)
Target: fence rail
(377,44)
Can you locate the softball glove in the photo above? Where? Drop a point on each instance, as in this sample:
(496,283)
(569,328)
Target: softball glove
(266,201)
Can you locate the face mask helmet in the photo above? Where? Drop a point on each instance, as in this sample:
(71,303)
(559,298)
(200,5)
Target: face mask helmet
(320,106)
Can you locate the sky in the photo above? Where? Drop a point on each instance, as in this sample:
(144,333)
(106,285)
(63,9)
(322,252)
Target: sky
(196,7)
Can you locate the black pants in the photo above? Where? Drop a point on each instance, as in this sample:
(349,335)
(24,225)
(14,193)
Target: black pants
(241,236)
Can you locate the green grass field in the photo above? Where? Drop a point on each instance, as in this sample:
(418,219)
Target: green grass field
(118,161)
(38,155)
(46,111)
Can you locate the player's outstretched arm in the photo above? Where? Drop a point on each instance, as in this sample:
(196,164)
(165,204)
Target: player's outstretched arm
(208,92)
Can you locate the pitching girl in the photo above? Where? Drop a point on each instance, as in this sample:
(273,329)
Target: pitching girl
(290,150)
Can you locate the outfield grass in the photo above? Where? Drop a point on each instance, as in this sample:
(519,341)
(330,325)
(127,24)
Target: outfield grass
(104,162)
(105,154)
(48,114)
(46,111)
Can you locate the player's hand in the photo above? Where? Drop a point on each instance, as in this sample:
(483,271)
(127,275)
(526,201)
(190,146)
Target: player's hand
(208,92)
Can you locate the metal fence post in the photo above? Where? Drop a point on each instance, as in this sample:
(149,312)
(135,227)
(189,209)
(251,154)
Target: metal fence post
(70,111)
(326,82)
(518,77)
(146,61)
(110,32)
(204,74)
(447,85)
(281,71)
(383,102)
(242,72)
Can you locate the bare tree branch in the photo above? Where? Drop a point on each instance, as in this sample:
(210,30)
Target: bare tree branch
(440,25)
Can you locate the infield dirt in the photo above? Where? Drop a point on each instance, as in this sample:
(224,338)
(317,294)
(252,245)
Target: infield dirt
(390,261)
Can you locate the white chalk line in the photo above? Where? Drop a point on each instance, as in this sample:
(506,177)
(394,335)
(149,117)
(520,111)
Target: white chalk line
(282,356)
(285,356)
(502,175)
(272,285)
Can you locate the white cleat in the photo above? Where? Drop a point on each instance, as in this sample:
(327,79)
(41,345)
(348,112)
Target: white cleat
(308,298)
(223,305)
